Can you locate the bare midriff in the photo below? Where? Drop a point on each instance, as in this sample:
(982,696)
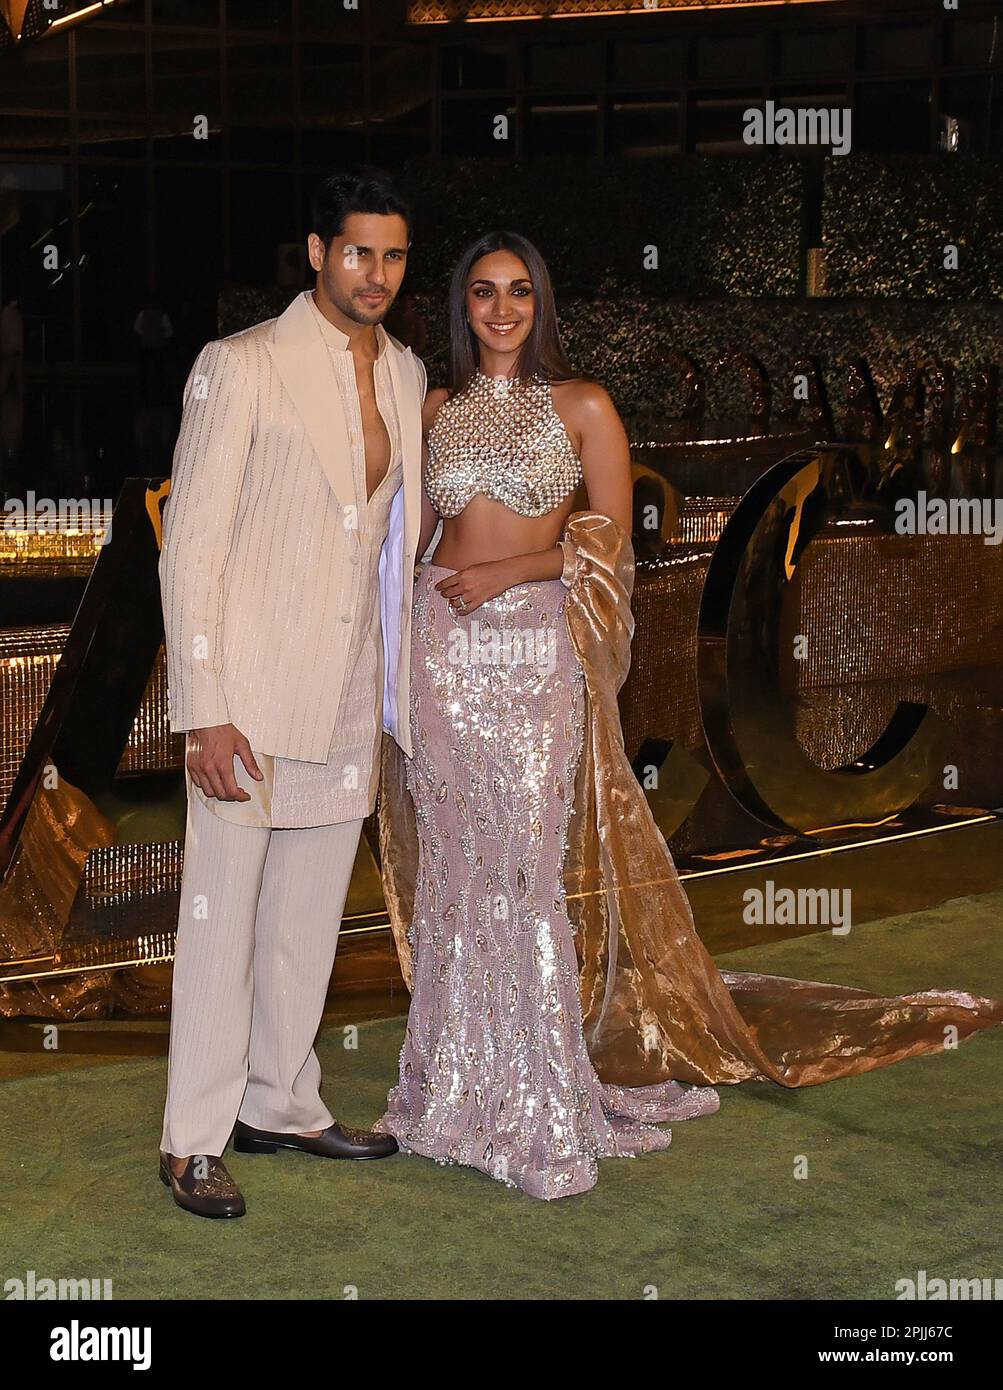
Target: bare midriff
(488,530)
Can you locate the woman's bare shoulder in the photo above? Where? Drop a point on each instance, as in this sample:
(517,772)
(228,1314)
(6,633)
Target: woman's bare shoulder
(583,397)
(585,407)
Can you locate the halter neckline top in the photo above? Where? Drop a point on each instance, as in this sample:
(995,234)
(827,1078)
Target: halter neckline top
(501,437)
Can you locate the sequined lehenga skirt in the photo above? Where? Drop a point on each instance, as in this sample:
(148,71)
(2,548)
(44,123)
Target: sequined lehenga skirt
(494,1070)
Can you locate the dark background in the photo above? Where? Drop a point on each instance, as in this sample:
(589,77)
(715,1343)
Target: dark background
(624,131)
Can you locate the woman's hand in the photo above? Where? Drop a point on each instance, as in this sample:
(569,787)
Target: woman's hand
(468,588)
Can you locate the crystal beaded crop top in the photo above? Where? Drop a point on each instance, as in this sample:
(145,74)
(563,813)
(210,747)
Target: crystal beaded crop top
(502,438)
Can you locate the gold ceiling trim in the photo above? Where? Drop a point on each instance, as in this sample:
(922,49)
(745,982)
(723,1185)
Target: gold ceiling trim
(498,11)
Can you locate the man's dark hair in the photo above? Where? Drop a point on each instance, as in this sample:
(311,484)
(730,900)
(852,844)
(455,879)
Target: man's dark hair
(339,195)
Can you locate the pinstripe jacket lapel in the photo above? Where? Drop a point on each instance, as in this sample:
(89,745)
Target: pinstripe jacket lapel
(301,358)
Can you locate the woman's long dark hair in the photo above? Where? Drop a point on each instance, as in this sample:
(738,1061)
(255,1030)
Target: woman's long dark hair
(542,352)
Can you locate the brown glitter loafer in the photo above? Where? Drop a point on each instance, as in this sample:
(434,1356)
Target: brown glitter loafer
(337,1141)
(215,1195)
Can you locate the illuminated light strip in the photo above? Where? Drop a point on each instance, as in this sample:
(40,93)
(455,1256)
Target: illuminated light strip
(823,853)
(84,969)
(616,13)
(77,15)
(654,883)
(23,960)
(158,958)
(854,825)
(837,849)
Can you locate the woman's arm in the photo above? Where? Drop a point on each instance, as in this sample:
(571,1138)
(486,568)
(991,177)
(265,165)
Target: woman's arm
(535,564)
(604,452)
(429,516)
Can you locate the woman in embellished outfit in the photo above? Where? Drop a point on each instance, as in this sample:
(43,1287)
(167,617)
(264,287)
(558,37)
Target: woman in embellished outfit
(562,1003)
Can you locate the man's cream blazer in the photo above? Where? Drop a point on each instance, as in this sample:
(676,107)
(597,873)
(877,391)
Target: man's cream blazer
(259,569)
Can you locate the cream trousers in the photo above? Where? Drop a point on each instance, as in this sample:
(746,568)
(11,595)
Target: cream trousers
(257,934)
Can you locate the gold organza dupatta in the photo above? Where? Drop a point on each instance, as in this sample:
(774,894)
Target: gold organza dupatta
(655,1006)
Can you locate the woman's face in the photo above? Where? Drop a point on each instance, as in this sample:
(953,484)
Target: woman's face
(500,304)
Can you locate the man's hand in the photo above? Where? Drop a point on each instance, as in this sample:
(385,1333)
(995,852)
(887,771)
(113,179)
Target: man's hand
(209,758)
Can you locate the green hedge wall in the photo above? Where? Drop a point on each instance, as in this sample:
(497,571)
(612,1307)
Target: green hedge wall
(723,227)
(729,234)
(886,223)
(609,338)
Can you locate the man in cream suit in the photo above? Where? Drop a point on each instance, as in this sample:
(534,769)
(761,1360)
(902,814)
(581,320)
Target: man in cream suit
(286,574)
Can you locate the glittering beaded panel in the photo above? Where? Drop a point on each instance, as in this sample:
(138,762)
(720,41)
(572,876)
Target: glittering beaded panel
(502,438)
(494,1071)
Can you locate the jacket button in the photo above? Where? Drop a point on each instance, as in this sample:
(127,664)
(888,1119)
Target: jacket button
(346,617)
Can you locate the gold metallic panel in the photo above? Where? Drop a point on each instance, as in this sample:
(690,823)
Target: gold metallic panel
(50,548)
(28,657)
(746,657)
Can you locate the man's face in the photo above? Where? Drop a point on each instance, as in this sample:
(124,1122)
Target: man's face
(362,269)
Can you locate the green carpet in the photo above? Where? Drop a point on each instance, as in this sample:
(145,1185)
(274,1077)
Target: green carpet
(903,1174)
